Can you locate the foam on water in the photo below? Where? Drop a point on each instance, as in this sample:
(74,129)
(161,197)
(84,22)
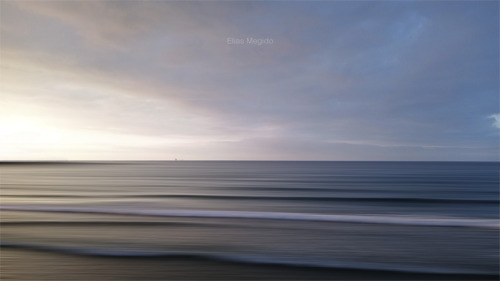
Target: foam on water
(374,219)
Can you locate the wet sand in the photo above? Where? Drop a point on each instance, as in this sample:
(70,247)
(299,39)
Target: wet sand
(18,264)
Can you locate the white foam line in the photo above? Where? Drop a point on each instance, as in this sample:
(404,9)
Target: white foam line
(376,219)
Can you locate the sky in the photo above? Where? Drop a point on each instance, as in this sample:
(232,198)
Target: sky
(249,80)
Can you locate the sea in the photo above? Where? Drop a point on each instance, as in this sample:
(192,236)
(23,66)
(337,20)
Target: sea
(427,217)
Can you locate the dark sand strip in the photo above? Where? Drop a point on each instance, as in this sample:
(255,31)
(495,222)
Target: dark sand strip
(19,264)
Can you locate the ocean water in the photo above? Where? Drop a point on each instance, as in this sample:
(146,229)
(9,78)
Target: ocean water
(432,217)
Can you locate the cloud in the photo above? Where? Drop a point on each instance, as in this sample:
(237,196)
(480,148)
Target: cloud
(496,120)
(361,73)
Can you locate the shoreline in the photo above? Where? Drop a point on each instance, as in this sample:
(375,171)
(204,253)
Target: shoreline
(22,264)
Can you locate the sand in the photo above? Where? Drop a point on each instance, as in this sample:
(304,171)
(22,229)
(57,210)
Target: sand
(17,264)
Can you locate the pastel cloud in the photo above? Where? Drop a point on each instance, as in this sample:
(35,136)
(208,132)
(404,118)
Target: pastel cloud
(496,120)
(370,77)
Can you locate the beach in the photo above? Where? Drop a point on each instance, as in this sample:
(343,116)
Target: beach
(250,221)
(36,265)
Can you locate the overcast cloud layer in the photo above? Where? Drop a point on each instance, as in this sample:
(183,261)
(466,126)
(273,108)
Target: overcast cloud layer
(384,80)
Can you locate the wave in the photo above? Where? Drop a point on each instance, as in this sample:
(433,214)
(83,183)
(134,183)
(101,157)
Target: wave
(242,258)
(111,223)
(405,200)
(367,219)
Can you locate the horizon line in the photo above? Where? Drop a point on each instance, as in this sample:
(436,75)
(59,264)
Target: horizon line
(214,160)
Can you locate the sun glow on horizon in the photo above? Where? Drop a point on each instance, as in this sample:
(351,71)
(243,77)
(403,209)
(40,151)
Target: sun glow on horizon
(55,114)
